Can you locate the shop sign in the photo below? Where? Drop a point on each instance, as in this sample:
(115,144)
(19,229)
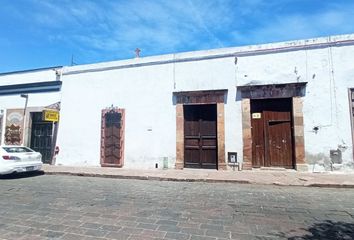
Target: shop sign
(50,116)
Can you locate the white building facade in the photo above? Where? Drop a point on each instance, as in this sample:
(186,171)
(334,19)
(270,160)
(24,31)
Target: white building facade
(24,96)
(280,105)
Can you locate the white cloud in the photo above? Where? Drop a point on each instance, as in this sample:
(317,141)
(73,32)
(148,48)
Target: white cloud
(331,21)
(113,29)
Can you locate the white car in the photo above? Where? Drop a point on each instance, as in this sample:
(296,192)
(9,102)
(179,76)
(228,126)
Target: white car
(17,159)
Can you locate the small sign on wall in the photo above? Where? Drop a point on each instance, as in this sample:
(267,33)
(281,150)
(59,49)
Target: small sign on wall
(50,115)
(232,160)
(256,115)
(232,157)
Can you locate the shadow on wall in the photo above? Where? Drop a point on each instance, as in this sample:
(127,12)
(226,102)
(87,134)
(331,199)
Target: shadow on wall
(327,230)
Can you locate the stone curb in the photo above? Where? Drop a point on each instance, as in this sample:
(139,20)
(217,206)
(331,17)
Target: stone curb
(329,185)
(148,177)
(207,180)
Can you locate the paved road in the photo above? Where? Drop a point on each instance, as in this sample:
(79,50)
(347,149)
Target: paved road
(68,207)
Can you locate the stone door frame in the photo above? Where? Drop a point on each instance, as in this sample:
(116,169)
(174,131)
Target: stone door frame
(218,97)
(121,139)
(289,90)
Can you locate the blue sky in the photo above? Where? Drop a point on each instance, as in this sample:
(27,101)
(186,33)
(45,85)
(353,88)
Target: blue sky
(35,34)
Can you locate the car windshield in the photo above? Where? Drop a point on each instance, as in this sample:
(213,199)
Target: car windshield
(17,149)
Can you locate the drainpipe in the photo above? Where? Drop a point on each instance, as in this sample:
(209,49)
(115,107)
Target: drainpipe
(24,118)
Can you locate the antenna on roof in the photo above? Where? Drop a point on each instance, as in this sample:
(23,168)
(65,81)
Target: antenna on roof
(72,60)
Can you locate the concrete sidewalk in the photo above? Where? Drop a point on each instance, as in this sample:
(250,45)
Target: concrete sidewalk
(283,178)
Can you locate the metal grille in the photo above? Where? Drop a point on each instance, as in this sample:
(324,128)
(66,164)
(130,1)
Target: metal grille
(113,118)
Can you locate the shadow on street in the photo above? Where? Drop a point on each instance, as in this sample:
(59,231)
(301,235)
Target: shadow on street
(327,230)
(21,175)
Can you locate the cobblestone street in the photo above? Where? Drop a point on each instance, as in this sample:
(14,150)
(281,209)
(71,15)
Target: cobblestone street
(68,207)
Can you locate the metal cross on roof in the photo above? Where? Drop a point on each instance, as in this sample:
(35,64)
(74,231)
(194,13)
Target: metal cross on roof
(137,52)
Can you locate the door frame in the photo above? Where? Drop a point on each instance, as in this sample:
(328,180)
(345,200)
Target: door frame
(55,127)
(122,137)
(218,97)
(52,136)
(296,91)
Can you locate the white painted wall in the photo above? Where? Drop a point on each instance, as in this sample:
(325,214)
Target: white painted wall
(146,93)
(29,76)
(34,100)
(325,104)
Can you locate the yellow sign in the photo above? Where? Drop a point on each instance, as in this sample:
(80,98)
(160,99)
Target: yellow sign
(50,115)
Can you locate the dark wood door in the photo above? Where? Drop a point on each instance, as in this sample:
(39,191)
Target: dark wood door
(42,137)
(272,141)
(200,136)
(258,144)
(112,138)
(279,140)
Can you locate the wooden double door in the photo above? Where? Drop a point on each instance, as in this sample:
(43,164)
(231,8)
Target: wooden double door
(272,133)
(200,136)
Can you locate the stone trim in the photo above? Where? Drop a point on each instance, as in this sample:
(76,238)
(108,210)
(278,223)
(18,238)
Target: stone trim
(121,138)
(220,111)
(291,90)
(285,90)
(179,136)
(298,124)
(202,97)
(299,141)
(246,134)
